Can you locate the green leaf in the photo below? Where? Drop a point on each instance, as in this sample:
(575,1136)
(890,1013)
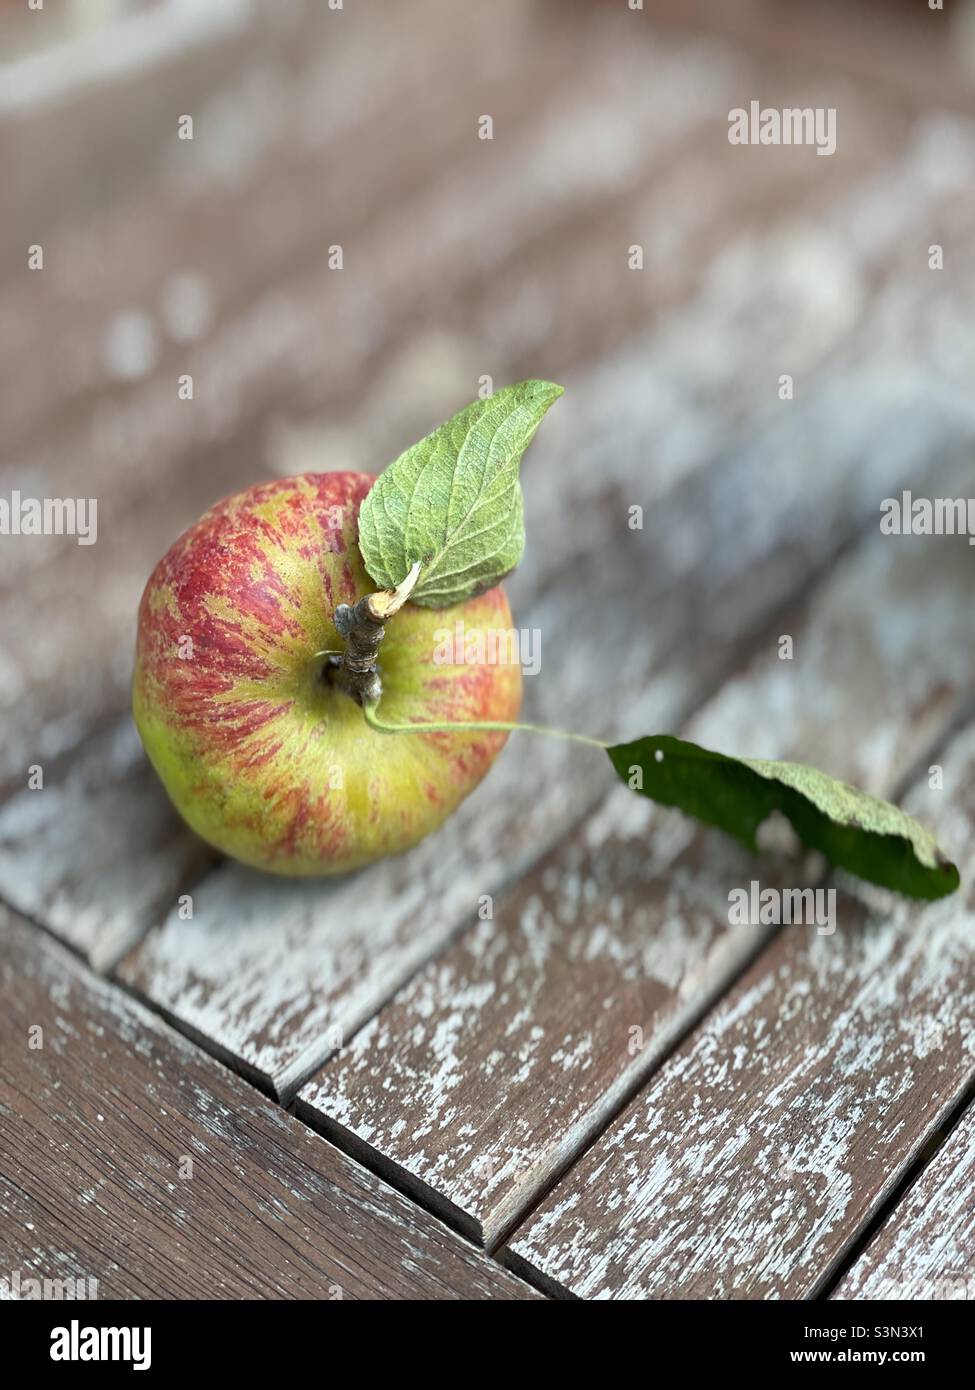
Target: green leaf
(453,501)
(857,831)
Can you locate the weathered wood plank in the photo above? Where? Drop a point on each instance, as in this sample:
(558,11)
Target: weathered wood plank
(926,1247)
(128,1156)
(492,1069)
(270,300)
(97,853)
(747,1167)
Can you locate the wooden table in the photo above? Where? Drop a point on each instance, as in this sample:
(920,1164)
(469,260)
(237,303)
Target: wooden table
(362,1088)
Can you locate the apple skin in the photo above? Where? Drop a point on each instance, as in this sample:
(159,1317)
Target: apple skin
(260,754)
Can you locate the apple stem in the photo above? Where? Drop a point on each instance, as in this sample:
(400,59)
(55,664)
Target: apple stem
(362,626)
(463,726)
(363,633)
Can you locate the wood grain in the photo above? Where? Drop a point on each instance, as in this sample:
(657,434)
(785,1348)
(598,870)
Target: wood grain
(749,1164)
(496,1065)
(926,1247)
(99,1124)
(273,315)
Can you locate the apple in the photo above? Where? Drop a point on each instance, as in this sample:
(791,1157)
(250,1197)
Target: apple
(262,749)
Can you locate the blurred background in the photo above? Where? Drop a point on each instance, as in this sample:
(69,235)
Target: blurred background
(344,221)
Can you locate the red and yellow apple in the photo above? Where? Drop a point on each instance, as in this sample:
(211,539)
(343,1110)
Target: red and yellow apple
(263,753)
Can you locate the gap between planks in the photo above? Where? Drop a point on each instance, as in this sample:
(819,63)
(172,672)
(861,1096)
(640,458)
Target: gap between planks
(859,1252)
